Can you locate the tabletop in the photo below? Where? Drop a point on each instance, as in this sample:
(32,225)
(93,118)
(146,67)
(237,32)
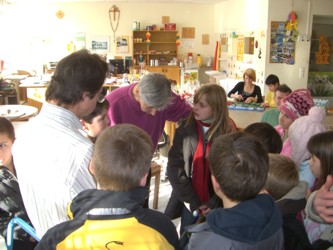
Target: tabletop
(17,112)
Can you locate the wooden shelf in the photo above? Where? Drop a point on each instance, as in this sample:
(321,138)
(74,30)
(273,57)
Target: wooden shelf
(159,41)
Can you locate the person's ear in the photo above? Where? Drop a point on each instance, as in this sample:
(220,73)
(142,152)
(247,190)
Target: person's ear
(83,123)
(216,185)
(86,96)
(136,94)
(143,180)
(91,167)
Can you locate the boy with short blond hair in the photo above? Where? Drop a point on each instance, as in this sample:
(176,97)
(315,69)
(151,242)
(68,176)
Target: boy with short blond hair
(282,176)
(113,216)
(248,219)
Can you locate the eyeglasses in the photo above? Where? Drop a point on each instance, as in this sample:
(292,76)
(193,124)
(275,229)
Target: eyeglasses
(101,98)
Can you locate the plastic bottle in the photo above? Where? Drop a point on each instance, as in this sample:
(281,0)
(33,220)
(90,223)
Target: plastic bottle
(209,61)
(199,60)
(190,57)
(125,78)
(134,24)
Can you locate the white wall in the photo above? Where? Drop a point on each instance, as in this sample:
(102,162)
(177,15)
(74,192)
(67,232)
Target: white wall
(245,16)
(290,74)
(34,35)
(305,9)
(31,34)
(248,18)
(241,15)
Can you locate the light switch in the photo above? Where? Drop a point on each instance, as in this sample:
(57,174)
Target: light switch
(301,72)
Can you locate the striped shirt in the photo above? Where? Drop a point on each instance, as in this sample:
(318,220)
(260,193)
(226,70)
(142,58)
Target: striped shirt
(51,157)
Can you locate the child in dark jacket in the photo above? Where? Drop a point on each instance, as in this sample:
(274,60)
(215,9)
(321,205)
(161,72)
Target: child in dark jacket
(11,203)
(249,219)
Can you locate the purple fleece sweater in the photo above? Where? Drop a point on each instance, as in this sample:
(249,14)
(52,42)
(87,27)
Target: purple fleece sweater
(125,109)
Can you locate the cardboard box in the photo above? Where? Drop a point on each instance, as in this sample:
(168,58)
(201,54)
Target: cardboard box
(170,26)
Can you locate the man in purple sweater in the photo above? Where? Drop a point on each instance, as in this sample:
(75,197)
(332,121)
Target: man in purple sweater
(147,104)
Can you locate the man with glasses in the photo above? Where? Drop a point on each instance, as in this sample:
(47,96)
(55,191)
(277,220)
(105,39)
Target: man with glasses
(52,155)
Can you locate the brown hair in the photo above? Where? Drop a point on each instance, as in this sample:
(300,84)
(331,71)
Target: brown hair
(217,100)
(251,73)
(75,74)
(284,88)
(282,176)
(268,136)
(122,157)
(239,163)
(100,107)
(321,146)
(6,127)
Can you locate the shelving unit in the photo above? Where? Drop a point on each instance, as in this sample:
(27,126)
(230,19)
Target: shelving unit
(162,47)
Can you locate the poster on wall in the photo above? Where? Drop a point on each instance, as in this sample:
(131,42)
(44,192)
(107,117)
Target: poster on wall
(320,83)
(122,44)
(282,47)
(80,40)
(240,48)
(100,44)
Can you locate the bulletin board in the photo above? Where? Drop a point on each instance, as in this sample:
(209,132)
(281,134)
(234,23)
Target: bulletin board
(282,47)
(188,32)
(240,48)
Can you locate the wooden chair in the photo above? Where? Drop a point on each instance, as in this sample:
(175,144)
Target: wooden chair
(7,93)
(156,172)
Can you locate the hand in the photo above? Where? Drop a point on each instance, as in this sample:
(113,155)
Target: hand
(32,239)
(250,99)
(264,105)
(323,201)
(238,98)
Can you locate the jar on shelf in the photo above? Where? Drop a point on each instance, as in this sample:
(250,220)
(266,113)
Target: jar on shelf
(134,25)
(199,60)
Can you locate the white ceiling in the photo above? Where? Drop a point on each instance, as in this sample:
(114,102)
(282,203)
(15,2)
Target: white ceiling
(125,1)
(168,1)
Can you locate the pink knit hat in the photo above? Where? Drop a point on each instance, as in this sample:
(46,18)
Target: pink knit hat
(302,129)
(297,104)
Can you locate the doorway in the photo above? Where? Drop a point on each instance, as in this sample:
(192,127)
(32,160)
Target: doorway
(320,81)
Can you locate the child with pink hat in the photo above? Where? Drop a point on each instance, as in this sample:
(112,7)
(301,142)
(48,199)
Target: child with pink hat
(300,133)
(293,106)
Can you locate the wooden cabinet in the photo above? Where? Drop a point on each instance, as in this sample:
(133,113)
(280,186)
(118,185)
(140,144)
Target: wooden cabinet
(171,72)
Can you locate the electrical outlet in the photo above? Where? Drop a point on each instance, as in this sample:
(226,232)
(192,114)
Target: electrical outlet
(303,38)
